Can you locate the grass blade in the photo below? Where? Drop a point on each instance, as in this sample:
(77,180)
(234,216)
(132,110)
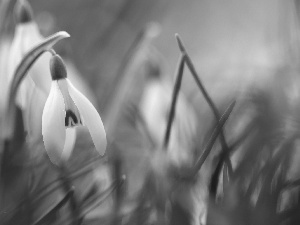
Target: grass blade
(54,209)
(212,139)
(176,89)
(207,98)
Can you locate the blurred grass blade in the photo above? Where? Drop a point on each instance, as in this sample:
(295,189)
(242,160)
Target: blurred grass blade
(139,120)
(176,89)
(19,131)
(13,153)
(54,209)
(99,199)
(207,98)
(196,77)
(212,139)
(126,76)
(292,184)
(52,186)
(269,171)
(49,188)
(214,180)
(225,176)
(21,71)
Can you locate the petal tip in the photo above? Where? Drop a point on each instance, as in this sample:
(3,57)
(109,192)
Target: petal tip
(64,34)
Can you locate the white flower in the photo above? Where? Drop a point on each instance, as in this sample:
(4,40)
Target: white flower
(65,109)
(26,37)
(35,87)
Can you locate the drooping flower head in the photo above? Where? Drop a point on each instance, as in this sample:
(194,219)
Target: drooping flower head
(35,87)
(65,109)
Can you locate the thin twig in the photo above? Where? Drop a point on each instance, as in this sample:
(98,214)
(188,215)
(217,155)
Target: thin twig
(176,89)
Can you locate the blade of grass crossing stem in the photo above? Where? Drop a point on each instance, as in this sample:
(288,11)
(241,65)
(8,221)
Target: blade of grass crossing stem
(66,182)
(21,71)
(176,89)
(55,184)
(213,138)
(54,209)
(92,204)
(207,98)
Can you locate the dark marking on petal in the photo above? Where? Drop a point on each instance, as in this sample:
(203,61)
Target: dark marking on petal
(71,119)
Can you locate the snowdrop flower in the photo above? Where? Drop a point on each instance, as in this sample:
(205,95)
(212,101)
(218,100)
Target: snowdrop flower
(65,109)
(34,89)
(26,37)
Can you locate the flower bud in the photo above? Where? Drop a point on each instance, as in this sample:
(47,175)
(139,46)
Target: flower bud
(57,68)
(23,12)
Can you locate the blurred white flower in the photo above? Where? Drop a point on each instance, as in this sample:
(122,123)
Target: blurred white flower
(26,37)
(155,106)
(35,87)
(65,109)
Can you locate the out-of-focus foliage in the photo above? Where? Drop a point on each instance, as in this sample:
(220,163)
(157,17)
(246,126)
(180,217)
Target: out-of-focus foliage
(221,163)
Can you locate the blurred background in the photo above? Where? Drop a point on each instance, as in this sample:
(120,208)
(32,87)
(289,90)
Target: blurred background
(233,44)
(233,36)
(242,49)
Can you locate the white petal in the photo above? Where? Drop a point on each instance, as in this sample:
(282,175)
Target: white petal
(69,143)
(53,124)
(72,113)
(39,72)
(36,100)
(4,55)
(28,36)
(91,118)
(21,99)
